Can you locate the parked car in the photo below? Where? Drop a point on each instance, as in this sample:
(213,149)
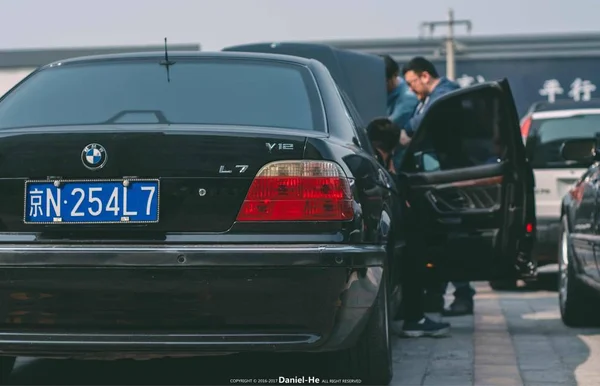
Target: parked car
(579,252)
(544,129)
(147,208)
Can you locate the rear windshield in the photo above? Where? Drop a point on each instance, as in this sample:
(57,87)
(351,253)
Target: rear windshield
(225,92)
(547,136)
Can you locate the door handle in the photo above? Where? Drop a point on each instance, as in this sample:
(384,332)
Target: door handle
(450,220)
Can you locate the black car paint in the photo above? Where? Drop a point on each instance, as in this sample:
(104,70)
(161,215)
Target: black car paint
(547,231)
(582,214)
(135,298)
(203,281)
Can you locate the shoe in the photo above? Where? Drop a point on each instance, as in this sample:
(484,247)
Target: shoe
(459,307)
(425,327)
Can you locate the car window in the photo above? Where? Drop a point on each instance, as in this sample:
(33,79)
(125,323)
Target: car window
(463,131)
(430,163)
(206,91)
(547,136)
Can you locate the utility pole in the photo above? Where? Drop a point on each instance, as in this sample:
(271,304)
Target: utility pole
(450,46)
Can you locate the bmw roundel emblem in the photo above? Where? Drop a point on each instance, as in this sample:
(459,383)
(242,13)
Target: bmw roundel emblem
(94,156)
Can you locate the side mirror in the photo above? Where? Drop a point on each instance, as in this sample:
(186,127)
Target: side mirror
(580,150)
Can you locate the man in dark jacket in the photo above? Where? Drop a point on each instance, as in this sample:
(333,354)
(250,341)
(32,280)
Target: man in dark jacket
(423,79)
(384,136)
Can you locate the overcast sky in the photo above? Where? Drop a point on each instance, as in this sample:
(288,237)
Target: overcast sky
(219,23)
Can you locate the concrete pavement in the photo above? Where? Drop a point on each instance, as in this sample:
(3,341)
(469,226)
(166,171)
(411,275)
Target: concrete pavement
(514,338)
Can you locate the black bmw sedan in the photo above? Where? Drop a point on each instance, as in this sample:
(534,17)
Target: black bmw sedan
(224,202)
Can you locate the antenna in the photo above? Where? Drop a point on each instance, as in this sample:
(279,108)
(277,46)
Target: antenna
(166,62)
(166,52)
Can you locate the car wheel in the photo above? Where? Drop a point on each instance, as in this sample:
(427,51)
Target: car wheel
(503,285)
(370,360)
(574,297)
(6,367)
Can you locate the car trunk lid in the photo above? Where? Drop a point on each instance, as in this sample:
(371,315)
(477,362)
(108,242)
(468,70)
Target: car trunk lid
(204,172)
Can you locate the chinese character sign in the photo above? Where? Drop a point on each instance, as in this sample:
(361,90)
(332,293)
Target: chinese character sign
(551,89)
(44,203)
(579,90)
(35,205)
(467,80)
(532,80)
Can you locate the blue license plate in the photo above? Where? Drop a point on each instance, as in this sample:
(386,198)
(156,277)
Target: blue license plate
(91,202)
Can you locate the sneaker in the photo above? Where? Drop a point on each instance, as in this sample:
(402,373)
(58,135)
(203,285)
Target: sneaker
(425,327)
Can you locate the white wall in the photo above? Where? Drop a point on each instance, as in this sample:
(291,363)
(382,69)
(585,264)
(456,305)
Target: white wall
(10,76)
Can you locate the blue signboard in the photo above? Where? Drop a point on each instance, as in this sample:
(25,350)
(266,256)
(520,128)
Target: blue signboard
(534,80)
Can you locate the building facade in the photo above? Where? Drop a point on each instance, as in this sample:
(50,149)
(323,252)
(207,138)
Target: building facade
(538,67)
(17,64)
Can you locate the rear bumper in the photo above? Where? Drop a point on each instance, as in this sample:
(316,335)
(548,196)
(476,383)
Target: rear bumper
(546,243)
(112,301)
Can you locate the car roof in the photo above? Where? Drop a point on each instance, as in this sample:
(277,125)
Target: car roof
(159,55)
(361,76)
(563,104)
(565,113)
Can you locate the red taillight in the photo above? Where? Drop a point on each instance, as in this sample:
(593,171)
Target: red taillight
(298,191)
(525,128)
(576,192)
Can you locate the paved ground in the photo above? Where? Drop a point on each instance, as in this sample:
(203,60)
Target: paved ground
(515,338)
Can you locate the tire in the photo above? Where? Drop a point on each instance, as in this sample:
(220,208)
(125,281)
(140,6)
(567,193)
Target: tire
(370,360)
(503,285)
(575,299)
(6,366)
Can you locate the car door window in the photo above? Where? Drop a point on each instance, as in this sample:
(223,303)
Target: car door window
(430,161)
(463,135)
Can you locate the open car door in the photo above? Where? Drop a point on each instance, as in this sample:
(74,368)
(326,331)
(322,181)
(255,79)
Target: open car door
(470,187)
